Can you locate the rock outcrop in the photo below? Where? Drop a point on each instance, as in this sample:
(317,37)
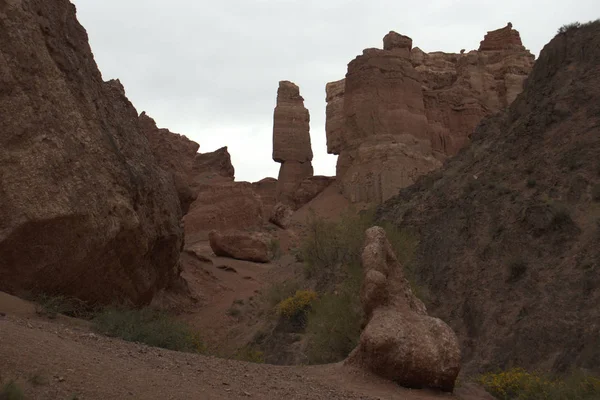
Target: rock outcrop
(179,156)
(267,191)
(241,245)
(400,341)
(223,206)
(281,215)
(508,248)
(400,112)
(291,140)
(85,210)
(310,188)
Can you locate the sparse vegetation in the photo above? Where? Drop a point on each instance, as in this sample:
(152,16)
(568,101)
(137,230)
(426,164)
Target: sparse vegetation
(11,391)
(37,380)
(52,306)
(569,27)
(250,354)
(332,256)
(233,311)
(518,384)
(561,217)
(152,327)
(531,183)
(295,307)
(275,248)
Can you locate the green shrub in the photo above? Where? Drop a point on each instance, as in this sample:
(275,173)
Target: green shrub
(531,183)
(518,384)
(334,324)
(297,305)
(233,311)
(152,327)
(568,27)
(250,354)
(51,306)
(280,291)
(275,248)
(11,391)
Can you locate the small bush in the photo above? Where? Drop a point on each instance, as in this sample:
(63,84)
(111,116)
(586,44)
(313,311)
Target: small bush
(51,306)
(531,183)
(561,217)
(11,391)
(334,324)
(275,248)
(280,291)
(234,311)
(296,306)
(250,354)
(568,27)
(518,384)
(152,327)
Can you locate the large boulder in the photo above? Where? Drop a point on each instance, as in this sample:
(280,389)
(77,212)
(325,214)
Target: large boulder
(281,215)
(241,245)
(400,341)
(85,210)
(222,206)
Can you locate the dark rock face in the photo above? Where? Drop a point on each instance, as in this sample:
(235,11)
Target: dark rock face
(84,208)
(509,238)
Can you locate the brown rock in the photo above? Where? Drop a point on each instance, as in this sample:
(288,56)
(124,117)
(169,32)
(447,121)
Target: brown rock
(291,136)
(429,103)
(291,174)
(382,165)
(334,123)
(281,215)
(213,167)
(400,341)
(222,206)
(399,43)
(310,188)
(85,210)
(249,246)
(502,39)
(267,191)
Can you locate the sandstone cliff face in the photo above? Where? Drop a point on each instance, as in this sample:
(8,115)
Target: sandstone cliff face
(179,156)
(509,236)
(222,206)
(84,208)
(291,140)
(400,111)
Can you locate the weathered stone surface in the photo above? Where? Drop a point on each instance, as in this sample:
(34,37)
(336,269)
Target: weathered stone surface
(249,246)
(85,209)
(399,43)
(179,156)
(400,341)
(222,206)
(267,191)
(291,130)
(310,188)
(382,165)
(435,98)
(212,167)
(281,215)
(334,123)
(502,39)
(291,174)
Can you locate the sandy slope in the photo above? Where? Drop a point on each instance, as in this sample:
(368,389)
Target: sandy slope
(74,361)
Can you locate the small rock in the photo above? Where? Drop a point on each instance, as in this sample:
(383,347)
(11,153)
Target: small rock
(60,379)
(247,394)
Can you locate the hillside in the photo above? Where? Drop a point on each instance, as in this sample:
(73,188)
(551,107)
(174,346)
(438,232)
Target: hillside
(509,229)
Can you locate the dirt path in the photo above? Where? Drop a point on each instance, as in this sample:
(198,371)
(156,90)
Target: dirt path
(69,360)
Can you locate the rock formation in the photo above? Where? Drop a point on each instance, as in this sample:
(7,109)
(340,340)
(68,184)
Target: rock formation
(400,341)
(222,206)
(249,246)
(267,191)
(281,215)
(400,111)
(179,156)
(291,140)
(508,246)
(85,210)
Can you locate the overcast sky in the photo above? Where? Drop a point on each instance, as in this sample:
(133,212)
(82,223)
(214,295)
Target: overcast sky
(210,69)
